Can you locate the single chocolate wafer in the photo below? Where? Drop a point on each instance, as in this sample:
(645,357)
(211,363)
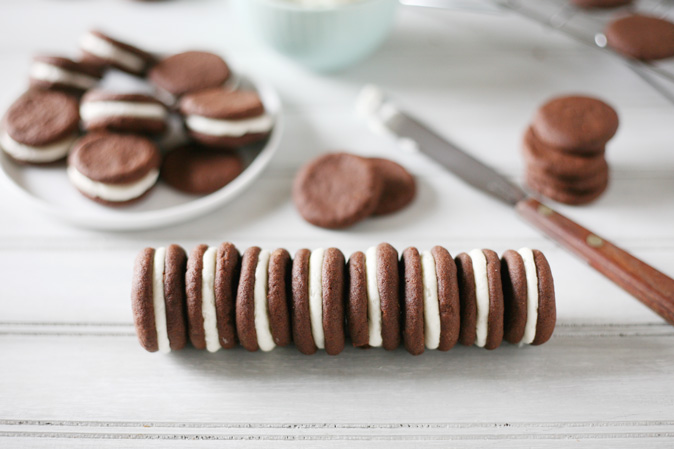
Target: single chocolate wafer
(412,291)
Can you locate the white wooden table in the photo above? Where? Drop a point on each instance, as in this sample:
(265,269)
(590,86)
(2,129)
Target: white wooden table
(73,375)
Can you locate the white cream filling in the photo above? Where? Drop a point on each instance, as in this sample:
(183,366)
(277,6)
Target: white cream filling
(316,296)
(53,74)
(262,328)
(92,110)
(107,50)
(158,300)
(482,295)
(208,300)
(373,298)
(112,192)
(431,301)
(47,153)
(230,128)
(532,295)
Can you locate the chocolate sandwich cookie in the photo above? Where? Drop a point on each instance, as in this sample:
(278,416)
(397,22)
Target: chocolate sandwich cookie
(188,72)
(591,4)
(278,296)
(158,298)
(100,49)
(448,298)
(114,169)
(40,127)
(193,169)
(641,37)
(318,300)
(227,270)
(373,303)
(481,296)
(529,297)
(412,292)
(55,72)
(132,113)
(566,196)
(575,124)
(399,186)
(544,158)
(357,302)
(337,190)
(223,118)
(252,310)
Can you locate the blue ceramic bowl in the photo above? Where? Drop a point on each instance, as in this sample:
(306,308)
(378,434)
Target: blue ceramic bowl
(324,38)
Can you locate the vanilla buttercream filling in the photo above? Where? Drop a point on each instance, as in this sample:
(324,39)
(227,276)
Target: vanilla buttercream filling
(532,295)
(112,192)
(208,300)
(107,50)
(158,300)
(53,74)
(265,340)
(431,301)
(374,319)
(229,128)
(93,110)
(482,295)
(316,296)
(47,153)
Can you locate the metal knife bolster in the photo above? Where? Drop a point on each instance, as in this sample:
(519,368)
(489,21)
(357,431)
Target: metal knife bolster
(450,156)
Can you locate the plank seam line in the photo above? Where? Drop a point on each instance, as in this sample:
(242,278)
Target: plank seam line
(248,437)
(319,426)
(130,325)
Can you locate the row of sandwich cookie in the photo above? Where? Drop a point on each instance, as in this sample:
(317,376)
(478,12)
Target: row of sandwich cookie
(217,298)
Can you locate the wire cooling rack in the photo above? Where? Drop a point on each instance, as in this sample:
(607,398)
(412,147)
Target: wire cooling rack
(583,25)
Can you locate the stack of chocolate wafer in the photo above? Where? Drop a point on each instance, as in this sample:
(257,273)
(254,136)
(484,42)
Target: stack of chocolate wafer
(424,300)
(564,149)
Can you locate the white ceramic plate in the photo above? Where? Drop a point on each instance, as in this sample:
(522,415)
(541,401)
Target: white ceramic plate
(50,190)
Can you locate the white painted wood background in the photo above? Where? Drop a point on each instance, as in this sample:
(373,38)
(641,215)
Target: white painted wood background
(73,375)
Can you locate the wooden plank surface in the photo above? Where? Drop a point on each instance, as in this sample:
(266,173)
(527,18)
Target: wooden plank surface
(73,375)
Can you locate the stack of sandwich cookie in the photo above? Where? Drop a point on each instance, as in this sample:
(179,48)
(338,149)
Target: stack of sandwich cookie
(40,127)
(426,300)
(564,149)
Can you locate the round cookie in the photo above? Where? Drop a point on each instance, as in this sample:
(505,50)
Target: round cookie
(575,124)
(388,281)
(356,306)
(245,300)
(196,170)
(40,127)
(55,72)
(227,271)
(570,197)
(413,301)
(301,316)
(495,322)
(600,4)
(399,186)
(337,190)
(467,296)
(174,296)
(114,169)
(224,118)
(547,309)
(193,290)
(544,158)
(643,37)
(188,72)
(100,49)
(279,292)
(132,113)
(448,296)
(142,301)
(332,280)
(591,183)
(513,276)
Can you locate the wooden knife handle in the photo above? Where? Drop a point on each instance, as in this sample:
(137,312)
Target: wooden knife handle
(644,282)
